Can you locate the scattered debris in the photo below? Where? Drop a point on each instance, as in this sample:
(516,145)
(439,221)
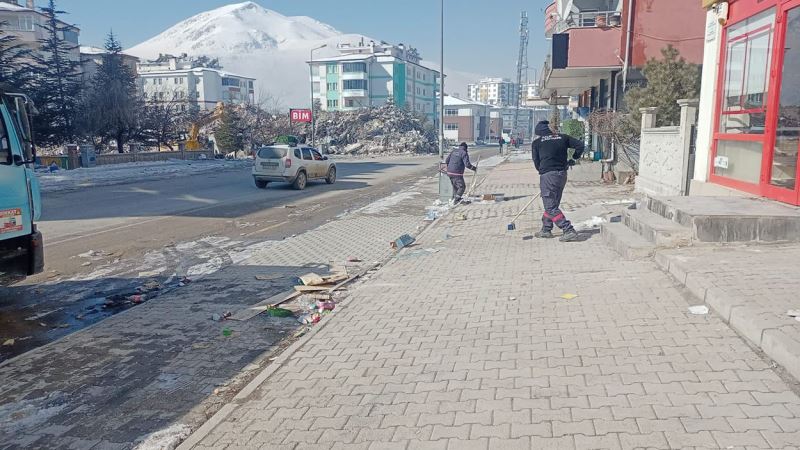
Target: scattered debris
(616,219)
(326,305)
(461,216)
(353,259)
(512,298)
(569,296)
(699,310)
(311,279)
(87,264)
(290,206)
(9,342)
(594,222)
(794,313)
(227,332)
(403,241)
(309,319)
(279,312)
(220,317)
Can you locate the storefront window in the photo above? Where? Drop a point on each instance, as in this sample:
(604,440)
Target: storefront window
(739,160)
(749,50)
(787,133)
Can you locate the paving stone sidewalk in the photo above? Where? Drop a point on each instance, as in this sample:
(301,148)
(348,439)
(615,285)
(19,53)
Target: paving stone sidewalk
(471,345)
(752,287)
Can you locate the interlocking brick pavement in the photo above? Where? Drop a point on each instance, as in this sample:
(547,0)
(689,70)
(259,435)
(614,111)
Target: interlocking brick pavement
(472,347)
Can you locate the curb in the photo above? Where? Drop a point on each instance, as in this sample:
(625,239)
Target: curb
(764,333)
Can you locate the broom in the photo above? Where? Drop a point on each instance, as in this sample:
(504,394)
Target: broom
(513,226)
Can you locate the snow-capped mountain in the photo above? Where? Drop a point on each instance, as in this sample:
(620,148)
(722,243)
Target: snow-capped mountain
(254,41)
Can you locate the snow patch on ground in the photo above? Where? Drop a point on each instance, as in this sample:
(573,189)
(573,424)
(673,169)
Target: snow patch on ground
(69,180)
(27,414)
(166,439)
(387,202)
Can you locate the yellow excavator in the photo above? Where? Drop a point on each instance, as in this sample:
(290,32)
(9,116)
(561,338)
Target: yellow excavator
(192,143)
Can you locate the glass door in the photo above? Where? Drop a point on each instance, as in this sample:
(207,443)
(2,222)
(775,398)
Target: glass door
(783,173)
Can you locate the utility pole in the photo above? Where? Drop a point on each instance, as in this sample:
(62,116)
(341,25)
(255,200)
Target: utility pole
(313,110)
(522,66)
(441,89)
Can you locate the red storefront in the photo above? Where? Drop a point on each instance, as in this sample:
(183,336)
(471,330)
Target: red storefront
(757,129)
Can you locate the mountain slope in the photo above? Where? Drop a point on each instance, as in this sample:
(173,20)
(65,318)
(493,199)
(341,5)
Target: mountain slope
(253,41)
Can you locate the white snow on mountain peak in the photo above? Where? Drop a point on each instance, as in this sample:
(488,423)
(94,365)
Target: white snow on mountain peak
(257,42)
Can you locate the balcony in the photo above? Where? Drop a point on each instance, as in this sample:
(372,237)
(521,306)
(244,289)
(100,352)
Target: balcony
(580,58)
(355,76)
(554,23)
(350,93)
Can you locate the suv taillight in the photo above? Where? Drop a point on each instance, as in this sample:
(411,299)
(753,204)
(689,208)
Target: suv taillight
(288,163)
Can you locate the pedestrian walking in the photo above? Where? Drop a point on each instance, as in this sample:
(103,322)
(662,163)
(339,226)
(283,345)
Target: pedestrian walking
(501,141)
(551,160)
(457,162)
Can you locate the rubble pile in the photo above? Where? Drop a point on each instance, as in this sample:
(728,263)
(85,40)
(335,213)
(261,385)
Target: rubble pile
(384,130)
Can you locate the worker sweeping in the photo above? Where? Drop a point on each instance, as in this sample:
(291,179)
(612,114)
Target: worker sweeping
(457,162)
(552,161)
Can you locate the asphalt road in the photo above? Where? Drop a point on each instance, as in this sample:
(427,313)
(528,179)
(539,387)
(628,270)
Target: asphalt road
(119,225)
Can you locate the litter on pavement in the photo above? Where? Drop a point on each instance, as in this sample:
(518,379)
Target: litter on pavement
(794,313)
(569,296)
(699,310)
(403,241)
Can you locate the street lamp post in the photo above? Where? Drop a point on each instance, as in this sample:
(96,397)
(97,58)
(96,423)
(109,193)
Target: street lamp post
(313,111)
(443,187)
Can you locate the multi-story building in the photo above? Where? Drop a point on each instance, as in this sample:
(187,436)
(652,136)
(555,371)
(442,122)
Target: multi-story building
(465,121)
(493,91)
(600,46)
(92,59)
(182,80)
(24,23)
(748,130)
(369,74)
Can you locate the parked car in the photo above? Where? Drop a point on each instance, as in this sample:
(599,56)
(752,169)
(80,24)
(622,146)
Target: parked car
(292,164)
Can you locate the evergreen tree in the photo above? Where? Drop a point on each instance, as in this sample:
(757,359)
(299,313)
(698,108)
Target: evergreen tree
(668,80)
(110,107)
(57,83)
(230,134)
(15,66)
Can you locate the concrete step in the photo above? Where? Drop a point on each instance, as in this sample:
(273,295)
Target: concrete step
(730,219)
(626,242)
(656,229)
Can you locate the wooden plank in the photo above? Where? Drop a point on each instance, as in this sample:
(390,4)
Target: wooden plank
(311,288)
(258,308)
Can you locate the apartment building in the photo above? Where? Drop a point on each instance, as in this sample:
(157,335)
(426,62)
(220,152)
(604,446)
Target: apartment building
(92,59)
(600,46)
(23,21)
(181,79)
(370,74)
(465,121)
(493,91)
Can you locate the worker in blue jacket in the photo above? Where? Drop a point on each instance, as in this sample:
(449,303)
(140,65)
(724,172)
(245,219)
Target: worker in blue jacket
(457,162)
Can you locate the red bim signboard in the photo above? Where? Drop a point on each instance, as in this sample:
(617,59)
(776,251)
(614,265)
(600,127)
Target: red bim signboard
(300,115)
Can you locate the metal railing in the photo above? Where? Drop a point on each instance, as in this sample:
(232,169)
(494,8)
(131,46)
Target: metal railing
(589,19)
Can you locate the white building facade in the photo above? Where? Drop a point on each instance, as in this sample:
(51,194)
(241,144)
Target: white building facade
(494,91)
(171,79)
(368,75)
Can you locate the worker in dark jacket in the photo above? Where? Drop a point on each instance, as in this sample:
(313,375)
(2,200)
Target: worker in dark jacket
(457,162)
(551,160)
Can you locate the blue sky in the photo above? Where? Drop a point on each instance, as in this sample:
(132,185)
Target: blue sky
(481,36)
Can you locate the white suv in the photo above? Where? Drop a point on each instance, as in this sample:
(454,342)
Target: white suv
(292,164)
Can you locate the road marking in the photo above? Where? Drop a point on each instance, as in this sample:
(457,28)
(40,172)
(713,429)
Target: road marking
(268,228)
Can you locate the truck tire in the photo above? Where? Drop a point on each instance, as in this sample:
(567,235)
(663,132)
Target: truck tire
(261,184)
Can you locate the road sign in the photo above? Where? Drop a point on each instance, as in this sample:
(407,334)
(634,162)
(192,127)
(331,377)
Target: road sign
(300,115)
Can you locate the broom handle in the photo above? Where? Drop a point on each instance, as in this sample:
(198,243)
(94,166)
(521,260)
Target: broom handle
(474,177)
(525,208)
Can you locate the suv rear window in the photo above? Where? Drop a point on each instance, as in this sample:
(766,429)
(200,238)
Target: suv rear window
(272,153)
